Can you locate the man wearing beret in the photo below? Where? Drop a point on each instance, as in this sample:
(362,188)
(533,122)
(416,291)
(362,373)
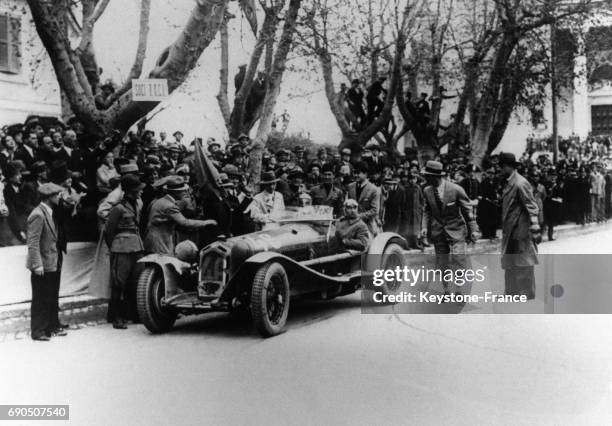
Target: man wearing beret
(520,230)
(125,245)
(45,262)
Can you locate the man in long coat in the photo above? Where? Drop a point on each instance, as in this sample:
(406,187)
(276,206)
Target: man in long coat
(367,196)
(520,230)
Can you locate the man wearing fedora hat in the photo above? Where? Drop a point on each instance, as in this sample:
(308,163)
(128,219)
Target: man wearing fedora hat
(44,261)
(447,219)
(125,245)
(164,217)
(520,230)
(267,202)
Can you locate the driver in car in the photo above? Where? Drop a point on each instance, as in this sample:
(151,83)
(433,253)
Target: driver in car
(352,232)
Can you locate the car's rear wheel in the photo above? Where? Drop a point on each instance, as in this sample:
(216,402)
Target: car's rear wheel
(149,294)
(270,299)
(392,257)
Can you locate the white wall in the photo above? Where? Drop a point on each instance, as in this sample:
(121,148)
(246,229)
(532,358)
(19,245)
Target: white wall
(35,89)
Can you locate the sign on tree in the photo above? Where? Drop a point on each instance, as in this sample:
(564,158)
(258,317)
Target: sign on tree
(149,89)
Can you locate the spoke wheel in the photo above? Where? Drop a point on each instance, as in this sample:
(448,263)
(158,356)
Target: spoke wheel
(270,299)
(151,290)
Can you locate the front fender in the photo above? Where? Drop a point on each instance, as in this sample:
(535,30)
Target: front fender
(172,269)
(377,248)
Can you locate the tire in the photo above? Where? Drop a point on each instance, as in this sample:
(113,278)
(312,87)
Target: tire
(270,299)
(148,299)
(392,256)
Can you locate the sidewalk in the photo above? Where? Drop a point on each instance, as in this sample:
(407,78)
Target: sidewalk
(83,310)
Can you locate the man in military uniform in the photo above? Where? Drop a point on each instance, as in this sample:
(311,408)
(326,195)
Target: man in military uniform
(125,245)
(351,232)
(328,194)
(165,216)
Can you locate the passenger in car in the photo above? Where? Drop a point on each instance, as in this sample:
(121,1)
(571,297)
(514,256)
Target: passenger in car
(352,232)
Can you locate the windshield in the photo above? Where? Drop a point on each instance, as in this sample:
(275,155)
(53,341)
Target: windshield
(303,214)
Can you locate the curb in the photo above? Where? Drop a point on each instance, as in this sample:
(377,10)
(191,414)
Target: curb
(83,310)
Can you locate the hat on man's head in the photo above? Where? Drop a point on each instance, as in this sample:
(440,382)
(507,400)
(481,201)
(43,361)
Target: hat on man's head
(327,168)
(173,147)
(128,168)
(131,182)
(507,159)
(283,153)
(243,136)
(372,145)
(212,141)
(314,164)
(49,189)
(178,132)
(38,167)
(224,180)
(232,170)
(361,167)
(298,148)
(433,168)
(296,172)
(391,181)
(59,173)
(175,183)
(345,151)
(268,178)
(349,202)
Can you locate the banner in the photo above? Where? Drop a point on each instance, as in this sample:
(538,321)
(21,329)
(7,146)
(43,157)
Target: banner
(205,171)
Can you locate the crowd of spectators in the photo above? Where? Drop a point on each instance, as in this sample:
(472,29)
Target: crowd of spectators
(577,188)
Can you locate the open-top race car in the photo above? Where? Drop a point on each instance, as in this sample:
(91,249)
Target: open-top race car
(297,255)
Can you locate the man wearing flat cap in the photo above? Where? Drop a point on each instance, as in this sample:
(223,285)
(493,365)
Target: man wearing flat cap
(45,262)
(447,219)
(164,217)
(125,245)
(520,230)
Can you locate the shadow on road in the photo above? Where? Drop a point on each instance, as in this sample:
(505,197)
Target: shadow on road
(301,313)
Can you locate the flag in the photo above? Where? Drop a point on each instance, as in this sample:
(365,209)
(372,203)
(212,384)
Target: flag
(248,8)
(206,173)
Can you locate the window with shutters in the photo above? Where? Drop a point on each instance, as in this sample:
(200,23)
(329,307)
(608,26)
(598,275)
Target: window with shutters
(10,44)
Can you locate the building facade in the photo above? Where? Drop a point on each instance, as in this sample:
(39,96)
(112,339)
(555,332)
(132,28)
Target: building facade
(28,85)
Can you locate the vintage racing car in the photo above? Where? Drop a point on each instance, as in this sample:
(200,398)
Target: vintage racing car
(258,274)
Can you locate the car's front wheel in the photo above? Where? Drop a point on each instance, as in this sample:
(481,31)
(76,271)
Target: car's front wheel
(149,294)
(270,299)
(392,257)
